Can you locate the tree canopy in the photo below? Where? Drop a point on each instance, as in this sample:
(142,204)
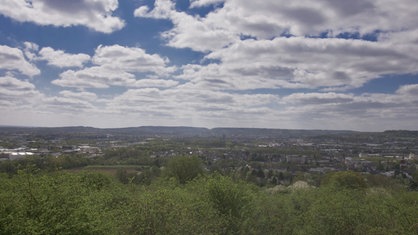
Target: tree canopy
(33,202)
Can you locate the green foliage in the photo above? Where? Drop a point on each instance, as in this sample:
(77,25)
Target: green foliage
(267,215)
(183,169)
(413,183)
(227,197)
(134,155)
(44,163)
(95,181)
(353,212)
(346,180)
(122,175)
(34,202)
(172,211)
(231,200)
(55,204)
(143,177)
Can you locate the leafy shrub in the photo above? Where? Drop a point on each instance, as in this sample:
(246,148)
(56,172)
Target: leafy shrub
(346,180)
(183,169)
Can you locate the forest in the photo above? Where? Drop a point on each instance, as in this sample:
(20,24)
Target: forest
(182,197)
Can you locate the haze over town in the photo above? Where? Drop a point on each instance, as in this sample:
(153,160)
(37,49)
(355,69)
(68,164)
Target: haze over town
(325,64)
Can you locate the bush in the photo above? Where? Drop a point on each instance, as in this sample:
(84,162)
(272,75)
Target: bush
(231,200)
(55,204)
(345,180)
(177,210)
(183,169)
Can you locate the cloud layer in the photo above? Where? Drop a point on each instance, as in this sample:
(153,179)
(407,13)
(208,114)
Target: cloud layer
(96,15)
(12,59)
(271,63)
(116,65)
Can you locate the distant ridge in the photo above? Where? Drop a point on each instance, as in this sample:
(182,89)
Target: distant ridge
(185,131)
(271,133)
(171,131)
(160,130)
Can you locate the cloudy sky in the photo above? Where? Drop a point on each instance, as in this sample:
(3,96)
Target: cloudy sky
(301,64)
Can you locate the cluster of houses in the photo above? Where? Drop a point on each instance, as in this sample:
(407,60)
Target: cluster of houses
(23,152)
(14,154)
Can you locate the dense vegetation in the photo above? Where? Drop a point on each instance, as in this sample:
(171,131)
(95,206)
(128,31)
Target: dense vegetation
(185,199)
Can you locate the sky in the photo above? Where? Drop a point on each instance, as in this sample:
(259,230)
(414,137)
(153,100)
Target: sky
(300,64)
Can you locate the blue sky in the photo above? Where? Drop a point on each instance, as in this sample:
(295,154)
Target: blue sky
(325,64)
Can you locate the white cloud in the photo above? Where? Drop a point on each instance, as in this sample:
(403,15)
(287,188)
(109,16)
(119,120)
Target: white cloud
(12,59)
(410,91)
(120,66)
(189,31)
(375,111)
(22,96)
(195,108)
(96,15)
(269,60)
(15,86)
(183,104)
(66,104)
(94,77)
(299,62)
(317,98)
(301,17)
(201,3)
(156,83)
(30,50)
(199,36)
(104,77)
(245,54)
(61,59)
(79,95)
(131,59)
(272,18)
(16,93)
(404,37)
(163,9)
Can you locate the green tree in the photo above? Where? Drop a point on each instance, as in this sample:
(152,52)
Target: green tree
(122,175)
(413,183)
(183,169)
(231,200)
(57,204)
(346,180)
(173,210)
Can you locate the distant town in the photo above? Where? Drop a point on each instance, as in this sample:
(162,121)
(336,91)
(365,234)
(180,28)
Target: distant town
(262,156)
